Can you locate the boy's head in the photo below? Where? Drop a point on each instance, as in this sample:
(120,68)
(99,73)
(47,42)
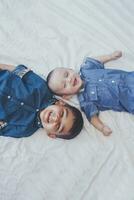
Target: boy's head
(64,82)
(61,120)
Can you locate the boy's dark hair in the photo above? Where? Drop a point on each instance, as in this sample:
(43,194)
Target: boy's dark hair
(77,125)
(48,79)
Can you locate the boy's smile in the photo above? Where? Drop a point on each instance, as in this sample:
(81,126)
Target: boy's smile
(52,116)
(57,119)
(65,81)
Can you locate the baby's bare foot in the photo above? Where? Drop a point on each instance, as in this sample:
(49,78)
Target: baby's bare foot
(116,54)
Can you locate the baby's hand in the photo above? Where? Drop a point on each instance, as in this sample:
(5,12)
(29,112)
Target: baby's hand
(116,54)
(106,130)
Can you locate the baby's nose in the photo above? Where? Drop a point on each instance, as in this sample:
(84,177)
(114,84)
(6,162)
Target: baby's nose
(69,79)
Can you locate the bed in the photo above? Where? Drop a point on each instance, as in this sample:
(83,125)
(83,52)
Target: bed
(46,34)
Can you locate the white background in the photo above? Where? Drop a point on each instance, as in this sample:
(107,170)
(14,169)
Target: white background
(46,34)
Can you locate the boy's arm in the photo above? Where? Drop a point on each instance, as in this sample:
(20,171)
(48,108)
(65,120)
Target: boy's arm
(97,123)
(106,58)
(7,67)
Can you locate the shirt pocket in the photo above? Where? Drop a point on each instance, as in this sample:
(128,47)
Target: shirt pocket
(108,97)
(91,93)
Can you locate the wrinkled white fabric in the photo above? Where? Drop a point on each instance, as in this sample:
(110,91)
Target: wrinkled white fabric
(46,34)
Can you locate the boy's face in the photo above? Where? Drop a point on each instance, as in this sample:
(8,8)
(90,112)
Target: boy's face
(57,119)
(65,81)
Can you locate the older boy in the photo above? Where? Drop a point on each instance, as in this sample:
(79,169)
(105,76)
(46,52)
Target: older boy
(27,104)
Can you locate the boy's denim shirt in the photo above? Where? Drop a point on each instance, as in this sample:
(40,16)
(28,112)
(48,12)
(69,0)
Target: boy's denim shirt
(101,88)
(23,94)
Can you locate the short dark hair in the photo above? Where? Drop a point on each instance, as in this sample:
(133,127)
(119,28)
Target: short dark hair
(77,125)
(48,80)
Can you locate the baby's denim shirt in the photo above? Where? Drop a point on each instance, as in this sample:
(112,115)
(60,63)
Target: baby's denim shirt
(102,88)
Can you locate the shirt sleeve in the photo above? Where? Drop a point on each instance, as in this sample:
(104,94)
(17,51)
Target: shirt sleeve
(21,70)
(17,131)
(91,63)
(89,108)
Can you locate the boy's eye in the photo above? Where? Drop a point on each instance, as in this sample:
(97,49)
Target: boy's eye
(57,127)
(66,74)
(61,114)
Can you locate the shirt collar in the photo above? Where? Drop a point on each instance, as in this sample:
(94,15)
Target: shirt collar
(39,123)
(83,87)
(81,90)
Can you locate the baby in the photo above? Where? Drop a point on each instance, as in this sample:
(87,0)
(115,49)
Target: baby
(98,89)
(27,104)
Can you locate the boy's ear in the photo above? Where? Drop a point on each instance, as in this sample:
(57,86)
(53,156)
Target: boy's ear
(51,135)
(67,97)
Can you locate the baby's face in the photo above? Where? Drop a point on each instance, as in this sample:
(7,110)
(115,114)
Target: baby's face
(65,81)
(57,120)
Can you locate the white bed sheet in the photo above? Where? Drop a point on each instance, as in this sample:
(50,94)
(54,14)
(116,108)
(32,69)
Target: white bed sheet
(45,34)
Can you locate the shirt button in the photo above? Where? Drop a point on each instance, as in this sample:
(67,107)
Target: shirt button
(100,80)
(37,110)
(92,92)
(38,122)
(21,103)
(113,81)
(8,97)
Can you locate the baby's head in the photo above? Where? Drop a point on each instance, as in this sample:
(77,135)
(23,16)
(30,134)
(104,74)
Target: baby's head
(64,82)
(61,120)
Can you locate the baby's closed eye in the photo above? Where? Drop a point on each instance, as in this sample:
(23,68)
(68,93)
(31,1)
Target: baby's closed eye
(64,85)
(66,74)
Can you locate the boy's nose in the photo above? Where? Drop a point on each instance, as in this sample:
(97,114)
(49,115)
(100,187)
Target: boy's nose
(54,117)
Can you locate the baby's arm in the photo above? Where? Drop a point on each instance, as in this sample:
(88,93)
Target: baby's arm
(7,67)
(106,58)
(97,123)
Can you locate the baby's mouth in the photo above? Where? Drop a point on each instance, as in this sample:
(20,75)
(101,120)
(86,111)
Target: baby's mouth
(75,81)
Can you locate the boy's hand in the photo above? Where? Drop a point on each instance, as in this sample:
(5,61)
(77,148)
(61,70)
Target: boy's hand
(116,54)
(106,130)
(7,67)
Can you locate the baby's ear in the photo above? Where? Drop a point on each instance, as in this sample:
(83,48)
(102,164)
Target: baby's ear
(67,97)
